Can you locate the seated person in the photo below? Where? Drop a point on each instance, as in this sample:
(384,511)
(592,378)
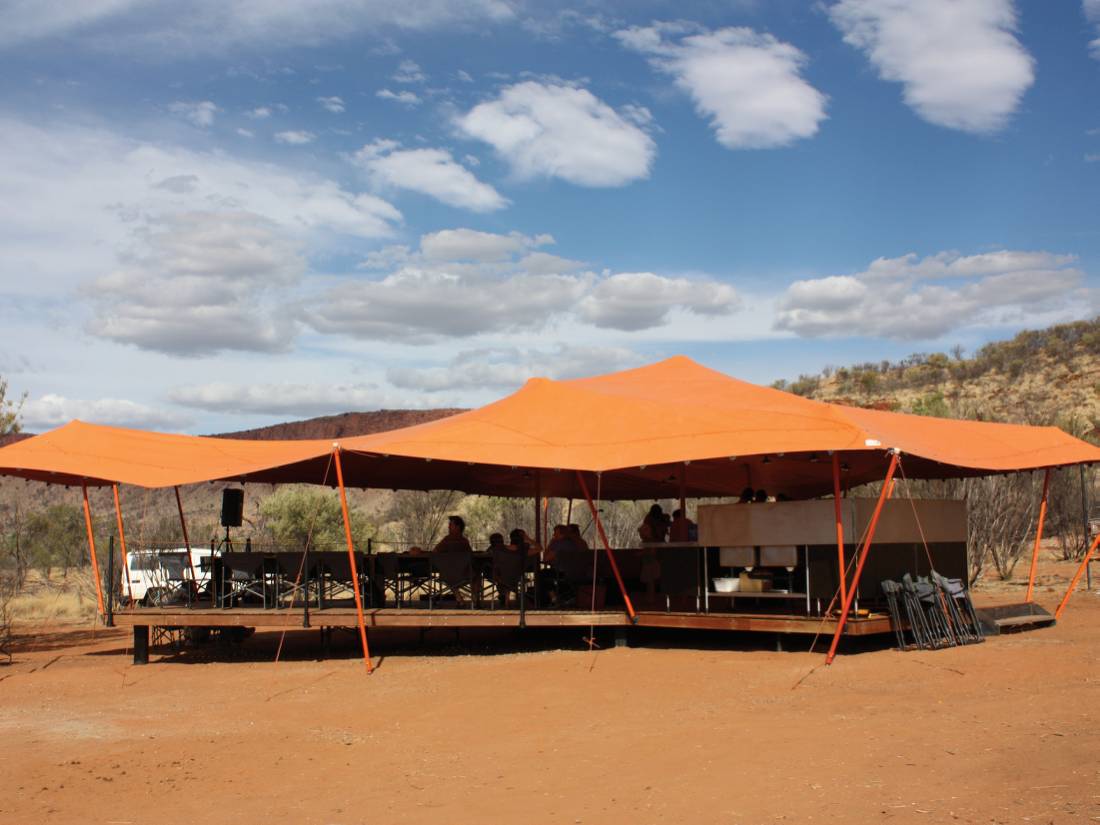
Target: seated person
(454,540)
(761,497)
(574,531)
(561,539)
(682,528)
(654,527)
(522,543)
(496,540)
(746,496)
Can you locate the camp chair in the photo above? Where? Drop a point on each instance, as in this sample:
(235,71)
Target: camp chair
(573,567)
(927,613)
(894,602)
(334,574)
(510,572)
(293,573)
(679,574)
(243,578)
(455,573)
(388,570)
(962,608)
(415,575)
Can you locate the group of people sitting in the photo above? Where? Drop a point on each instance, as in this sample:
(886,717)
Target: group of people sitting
(564,536)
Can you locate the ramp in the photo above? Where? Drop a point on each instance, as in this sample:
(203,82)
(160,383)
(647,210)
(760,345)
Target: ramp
(1004,618)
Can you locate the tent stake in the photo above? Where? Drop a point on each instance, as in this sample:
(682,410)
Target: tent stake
(187,544)
(607,547)
(351,558)
(91,547)
(887,487)
(1038,535)
(122,547)
(841,566)
(1077,577)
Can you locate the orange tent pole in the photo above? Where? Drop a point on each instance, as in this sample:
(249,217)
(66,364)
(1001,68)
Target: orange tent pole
(122,546)
(887,487)
(1077,577)
(91,547)
(1038,535)
(186,541)
(607,547)
(351,559)
(841,566)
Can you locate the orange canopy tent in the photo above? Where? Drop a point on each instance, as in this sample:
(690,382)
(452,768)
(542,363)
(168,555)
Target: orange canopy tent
(670,429)
(650,432)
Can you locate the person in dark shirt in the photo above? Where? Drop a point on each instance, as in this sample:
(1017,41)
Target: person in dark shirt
(454,540)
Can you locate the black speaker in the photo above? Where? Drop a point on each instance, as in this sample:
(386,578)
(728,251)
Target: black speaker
(232,506)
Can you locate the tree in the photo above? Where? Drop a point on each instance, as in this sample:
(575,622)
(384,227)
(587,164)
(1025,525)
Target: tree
(296,515)
(56,537)
(11,412)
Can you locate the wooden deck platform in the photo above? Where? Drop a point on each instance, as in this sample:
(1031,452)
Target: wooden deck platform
(453,618)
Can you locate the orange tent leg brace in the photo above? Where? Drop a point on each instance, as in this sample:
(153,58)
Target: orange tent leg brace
(122,546)
(91,547)
(607,547)
(1077,577)
(887,488)
(841,566)
(186,541)
(351,559)
(1038,535)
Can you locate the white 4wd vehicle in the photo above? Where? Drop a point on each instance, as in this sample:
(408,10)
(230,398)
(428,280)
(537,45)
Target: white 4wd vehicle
(160,576)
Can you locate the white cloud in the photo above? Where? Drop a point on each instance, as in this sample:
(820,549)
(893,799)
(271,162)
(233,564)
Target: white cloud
(80,206)
(432,172)
(508,368)
(404,96)
(471,245)
(246,133)
(959,63)
(924,298)
(553,130)
(199,283)
(332,104)
(464,76)
(295,137)
(1092,13)
(261,112)
(748,84)
(418,304)
(200,113)
(640,300)
(215,26)
(462,283)
(297,400)
(52,410)
(409,72)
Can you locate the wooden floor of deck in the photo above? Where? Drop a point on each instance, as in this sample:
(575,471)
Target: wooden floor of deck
(407,617)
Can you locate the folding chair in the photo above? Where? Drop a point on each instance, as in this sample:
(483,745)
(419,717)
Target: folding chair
(244,578)
(510,572)
(455,571)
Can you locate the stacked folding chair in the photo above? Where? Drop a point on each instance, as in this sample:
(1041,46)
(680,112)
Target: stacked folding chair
(937,612)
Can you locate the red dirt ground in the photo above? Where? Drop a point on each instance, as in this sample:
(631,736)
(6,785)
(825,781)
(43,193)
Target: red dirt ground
(690,728)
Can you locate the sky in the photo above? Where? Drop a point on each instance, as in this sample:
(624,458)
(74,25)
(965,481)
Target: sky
(223,214)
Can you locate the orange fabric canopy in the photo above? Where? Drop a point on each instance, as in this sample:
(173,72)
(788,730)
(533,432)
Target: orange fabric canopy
(91,453)
(650,432)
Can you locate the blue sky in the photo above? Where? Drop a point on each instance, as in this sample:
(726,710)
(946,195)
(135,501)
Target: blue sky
(224,214)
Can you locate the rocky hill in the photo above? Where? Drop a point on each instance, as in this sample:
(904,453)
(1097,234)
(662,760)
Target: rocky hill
(343,425)
(1049,376)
